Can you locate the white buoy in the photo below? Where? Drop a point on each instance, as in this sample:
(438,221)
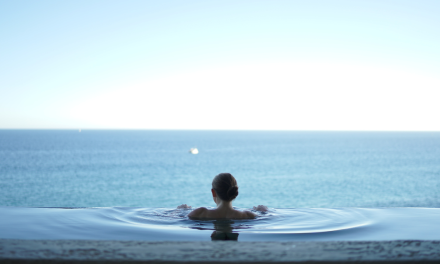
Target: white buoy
(194,151)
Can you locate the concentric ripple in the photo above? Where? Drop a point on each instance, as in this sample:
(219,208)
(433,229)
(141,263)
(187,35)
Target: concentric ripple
(275,221)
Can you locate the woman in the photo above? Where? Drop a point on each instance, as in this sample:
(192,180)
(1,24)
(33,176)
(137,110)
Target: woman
(224,190)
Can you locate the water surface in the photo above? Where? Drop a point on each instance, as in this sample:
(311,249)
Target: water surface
(280,169)
(166,224)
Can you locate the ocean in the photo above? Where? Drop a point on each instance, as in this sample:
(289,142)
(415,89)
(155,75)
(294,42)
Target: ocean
(279,169)
(126,184)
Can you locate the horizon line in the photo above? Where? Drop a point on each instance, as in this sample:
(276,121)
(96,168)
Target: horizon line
(183,129)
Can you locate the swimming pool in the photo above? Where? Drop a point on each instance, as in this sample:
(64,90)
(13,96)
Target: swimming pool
(166,224)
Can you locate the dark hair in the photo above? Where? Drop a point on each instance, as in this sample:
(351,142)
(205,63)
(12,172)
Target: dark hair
(225,186)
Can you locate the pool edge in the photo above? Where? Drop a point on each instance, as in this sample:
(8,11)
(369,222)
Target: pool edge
(103,251)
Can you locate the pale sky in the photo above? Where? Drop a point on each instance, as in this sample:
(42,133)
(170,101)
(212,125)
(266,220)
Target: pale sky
(278,65)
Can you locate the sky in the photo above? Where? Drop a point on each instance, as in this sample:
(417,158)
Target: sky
(371,65)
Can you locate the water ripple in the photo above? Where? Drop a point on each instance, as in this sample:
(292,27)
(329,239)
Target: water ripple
(279,221)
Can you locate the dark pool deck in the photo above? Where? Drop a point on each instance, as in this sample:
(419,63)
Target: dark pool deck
(94,251)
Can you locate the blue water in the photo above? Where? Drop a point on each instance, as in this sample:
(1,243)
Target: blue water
(168,224)
(125,185)
(150,169)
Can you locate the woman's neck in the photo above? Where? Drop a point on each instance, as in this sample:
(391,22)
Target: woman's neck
(224,205)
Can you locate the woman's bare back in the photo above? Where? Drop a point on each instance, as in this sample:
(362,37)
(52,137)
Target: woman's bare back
(204,213)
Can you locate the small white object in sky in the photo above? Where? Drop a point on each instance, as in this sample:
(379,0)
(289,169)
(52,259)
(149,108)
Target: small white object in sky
(194,151)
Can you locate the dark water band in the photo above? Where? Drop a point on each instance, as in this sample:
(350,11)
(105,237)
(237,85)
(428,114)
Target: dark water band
(101,251)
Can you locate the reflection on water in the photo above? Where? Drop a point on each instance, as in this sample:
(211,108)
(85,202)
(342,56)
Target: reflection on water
(162,224)
(224,230)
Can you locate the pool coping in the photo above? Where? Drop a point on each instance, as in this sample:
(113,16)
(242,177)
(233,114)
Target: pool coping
(103,251)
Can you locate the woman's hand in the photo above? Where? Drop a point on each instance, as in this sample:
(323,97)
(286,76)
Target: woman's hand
(183,206)
(261,208)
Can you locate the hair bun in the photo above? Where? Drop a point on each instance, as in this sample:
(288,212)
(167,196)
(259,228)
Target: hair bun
(225,186)
(232,192)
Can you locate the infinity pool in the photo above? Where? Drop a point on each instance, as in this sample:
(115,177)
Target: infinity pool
(165,224)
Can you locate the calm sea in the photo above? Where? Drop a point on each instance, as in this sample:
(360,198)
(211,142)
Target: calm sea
(280,169)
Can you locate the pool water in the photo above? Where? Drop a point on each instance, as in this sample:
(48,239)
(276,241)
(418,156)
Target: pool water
(166,224)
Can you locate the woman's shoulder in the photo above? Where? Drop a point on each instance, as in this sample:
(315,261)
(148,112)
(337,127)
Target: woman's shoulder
(197,213)
(248,214)
(205,213)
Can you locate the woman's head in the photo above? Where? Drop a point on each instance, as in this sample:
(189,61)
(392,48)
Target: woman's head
(225,186)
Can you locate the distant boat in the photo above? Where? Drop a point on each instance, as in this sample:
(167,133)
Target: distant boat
(79,130)
(194,151)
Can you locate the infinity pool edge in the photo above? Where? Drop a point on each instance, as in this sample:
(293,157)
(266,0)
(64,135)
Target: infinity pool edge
(101,251)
